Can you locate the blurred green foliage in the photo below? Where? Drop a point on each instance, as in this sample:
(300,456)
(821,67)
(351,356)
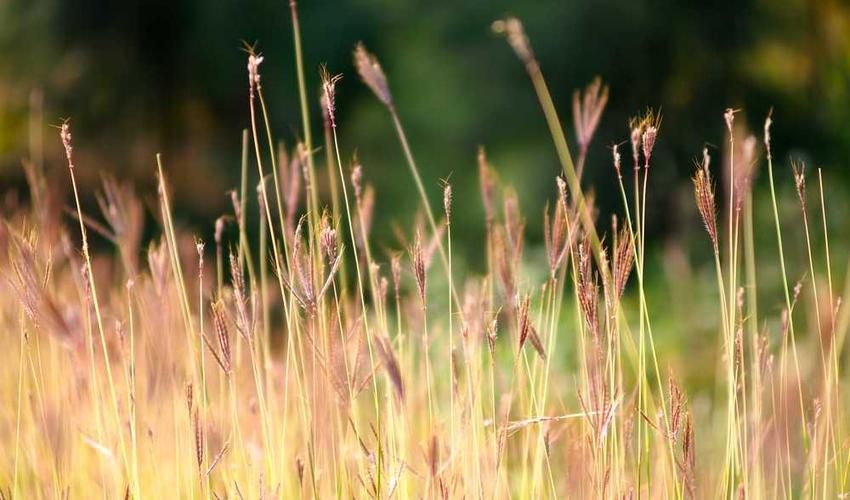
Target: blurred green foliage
(146,76)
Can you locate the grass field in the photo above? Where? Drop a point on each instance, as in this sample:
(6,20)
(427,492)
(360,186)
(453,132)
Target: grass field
(294,356)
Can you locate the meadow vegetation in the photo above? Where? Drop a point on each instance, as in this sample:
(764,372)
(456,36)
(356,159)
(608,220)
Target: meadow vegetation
(295,356)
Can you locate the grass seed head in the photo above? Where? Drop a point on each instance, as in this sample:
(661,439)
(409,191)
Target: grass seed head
(329,92)
(587,110)
(254,61)
(419,266)
(512,29)
(447,202)
(372,75)
(704,195)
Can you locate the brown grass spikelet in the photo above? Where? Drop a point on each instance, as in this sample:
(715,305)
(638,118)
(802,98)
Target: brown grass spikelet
(190,397)
(677,405)
(419,266)
(588,289)
(243,323)
(372,74)
(556,231)
(220,325)
(199,438)
(534,338)
(652,123)
(587,109)
(688,464)
(624,259)
(704,194)
(27,279)
(523,321)
(329,91)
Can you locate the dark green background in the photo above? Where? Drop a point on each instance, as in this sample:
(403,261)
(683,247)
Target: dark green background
(140,77)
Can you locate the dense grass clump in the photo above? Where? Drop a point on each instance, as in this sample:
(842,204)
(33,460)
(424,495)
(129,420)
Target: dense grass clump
(313,362)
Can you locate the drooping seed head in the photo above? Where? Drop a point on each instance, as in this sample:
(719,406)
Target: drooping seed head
(372,75)
(513,30)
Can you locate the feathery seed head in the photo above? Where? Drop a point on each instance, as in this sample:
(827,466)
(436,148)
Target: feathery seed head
(329,91)
(328,239)
(704,194)
(447,201)
(65,134)
(634,138)
(254,61)
(372,75)
(649,137)
(729,118)
(220,325)
(616,153)
(587,110)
